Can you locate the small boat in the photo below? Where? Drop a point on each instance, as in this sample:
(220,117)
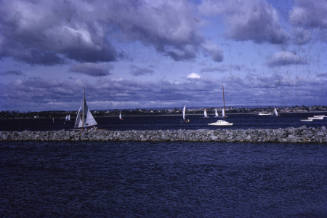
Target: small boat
(84,116)
(205,114)
(221,123)
(120,116)
(223,114)
(276,112)
(216,113)
(264,114)
(307,120)
(67,118)
(318,117)
(184,115)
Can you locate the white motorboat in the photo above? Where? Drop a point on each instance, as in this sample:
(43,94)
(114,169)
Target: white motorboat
(307,120)
(264,114)
(221,123)
(318,117)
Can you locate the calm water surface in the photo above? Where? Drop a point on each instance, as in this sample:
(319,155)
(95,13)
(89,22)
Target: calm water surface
(241,121)
(163,180)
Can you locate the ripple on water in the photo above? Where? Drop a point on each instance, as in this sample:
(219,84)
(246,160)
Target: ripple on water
(162,179)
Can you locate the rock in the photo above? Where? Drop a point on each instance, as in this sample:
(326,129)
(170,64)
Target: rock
(294,135)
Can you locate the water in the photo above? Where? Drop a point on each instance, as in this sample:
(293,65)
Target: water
(163,180)
(242,121)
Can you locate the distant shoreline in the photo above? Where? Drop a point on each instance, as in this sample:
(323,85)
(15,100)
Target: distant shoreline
(163,114)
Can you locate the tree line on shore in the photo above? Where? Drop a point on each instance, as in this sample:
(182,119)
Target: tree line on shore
(157,111)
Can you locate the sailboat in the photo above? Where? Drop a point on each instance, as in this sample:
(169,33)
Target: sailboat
(184,115)
(222,122)
(120,116)
(67,118)
(276,112)
(216,113)
(205,114)
(84,117)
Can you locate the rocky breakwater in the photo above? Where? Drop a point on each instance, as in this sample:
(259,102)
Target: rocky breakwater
(292,135)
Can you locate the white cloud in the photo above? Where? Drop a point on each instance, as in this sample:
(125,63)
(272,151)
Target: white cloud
(254,20)
(193,76)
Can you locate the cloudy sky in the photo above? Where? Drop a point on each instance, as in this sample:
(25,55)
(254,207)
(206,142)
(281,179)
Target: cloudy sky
(161,53)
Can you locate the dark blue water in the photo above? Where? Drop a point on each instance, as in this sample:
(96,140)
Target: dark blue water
(241,121)
(163,180)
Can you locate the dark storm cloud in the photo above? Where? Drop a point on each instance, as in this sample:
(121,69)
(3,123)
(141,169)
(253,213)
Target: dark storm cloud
(322,75)
(301,36)
(43,32)
(92,69)
(140,71)
(310,15)
(284,58)
(254,20)
(255,89)
(214,69)
(41,94)
(47,32)
(12,72)
(228,68)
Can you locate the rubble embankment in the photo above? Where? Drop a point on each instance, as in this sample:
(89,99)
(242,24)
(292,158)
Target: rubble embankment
(284,135)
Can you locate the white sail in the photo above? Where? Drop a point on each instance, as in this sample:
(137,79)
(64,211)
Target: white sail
(223,112)
(78,121)
(84,116)
(120,116)
(276,112)
(184,111)
(216,113)
(67,118)
(90,121)
(205,114)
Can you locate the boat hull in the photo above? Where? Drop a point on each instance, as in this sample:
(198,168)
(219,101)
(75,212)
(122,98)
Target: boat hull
(221,123)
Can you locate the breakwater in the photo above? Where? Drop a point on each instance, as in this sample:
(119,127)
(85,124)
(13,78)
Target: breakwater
(293,135)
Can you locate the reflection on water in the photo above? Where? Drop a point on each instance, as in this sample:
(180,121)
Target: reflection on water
(162,179)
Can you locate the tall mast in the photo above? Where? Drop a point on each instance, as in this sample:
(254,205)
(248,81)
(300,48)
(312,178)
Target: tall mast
(224,97)
(83,110)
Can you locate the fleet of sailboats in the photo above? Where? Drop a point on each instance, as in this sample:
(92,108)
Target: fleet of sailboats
(84,116)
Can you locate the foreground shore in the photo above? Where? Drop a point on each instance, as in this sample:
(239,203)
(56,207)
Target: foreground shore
(293,135)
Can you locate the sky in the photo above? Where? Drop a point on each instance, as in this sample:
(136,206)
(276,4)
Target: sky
(161,53)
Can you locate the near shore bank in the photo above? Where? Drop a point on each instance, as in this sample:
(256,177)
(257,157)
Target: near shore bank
(292,135)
